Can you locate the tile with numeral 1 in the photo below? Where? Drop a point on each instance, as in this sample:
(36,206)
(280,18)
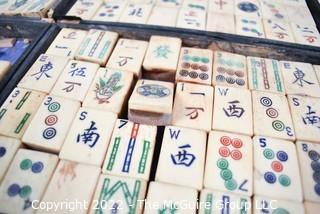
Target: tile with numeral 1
(130,151)
(26,180)
(97,46)
(170,199)
(232,110)
(276,170)
(75,80)
(65,186)
(109,12)
(278,30)
(182,154)
(8,149)
(300,78)
(215,25)
(50,125)
(157,17)
(118,194)
(229,70)
(18,110)
(271,115)
(305,112)
(311,208)
(265,75)
(136,13)
(317,70)
(85,9)
(273,10)
(272,205)
(306,34)
(193,106)
(251,27)
(248,8)
(191,19)
(222,202)
(128,56)
(66,42)
(109,90)
(88,137)
(223,7)
(229,163)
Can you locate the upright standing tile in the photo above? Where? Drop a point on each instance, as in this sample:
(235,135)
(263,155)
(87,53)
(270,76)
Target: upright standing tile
(84,9)
(215,25)
(306,34)
(265,75)
(109,90)
(128,56)
(26,180)
(75,80)
(44,73)
(273,10)
(169,4)
(110,11)
(252,27)
(65,186)
(305,112)
(278,30)
(182,155)
(229,70)
(136,13)
(300,79)
(300,15)
(18,110)
(229,163)
(272,205)
(66,42)
(170,199)
(157,17)
(195,65)
(118,194)
(8,149)
(212,202)
(50,125)
(97,46)
(311,208)
(4,68)
(89,136)
(193,106)
(276,170)
(317,70)
(191,19)
(271,115)
(248,8)
(130,151)
(222,6)
(232,111)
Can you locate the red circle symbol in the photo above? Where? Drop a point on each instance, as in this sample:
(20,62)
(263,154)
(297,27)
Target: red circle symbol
(236,154)
(225,140)
(224,151)
(277,166)
(237,143)
(51,120)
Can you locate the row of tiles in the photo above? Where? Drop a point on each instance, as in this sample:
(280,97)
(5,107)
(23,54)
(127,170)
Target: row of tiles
(26,8)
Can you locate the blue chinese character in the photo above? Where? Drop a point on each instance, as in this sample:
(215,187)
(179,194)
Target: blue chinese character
(299,75)
(45,68)
(89,135)
(311,118)
(183,157)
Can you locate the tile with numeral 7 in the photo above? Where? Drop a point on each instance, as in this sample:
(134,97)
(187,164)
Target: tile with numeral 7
(264,205)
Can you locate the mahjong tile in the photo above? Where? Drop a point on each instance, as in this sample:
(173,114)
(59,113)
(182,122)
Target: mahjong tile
(128,56)
(299,15)
(71,182)
(232,110)
(229,163)
(136,13)
(118,194)
(271,115)
(109,12)
(191,19)
(130,151)
(44,73)
(264,205)
(229,70)
(193,106)
(50,125)
(168,4)
(273,10)
(4,68)
(265,75)
(222,6)
(278,30)
(157,17)
(252,27)
(248,8)
(306,118)
(317,70)
(66,42)
(200,5)
(311,208)
(26,180)
(88,138)
(195,66)
(306,34)
(167,198)
(182,155)
(75,80)
(276,170)
(300,78)
(301,3)
(38,7)
(215,25)
(84,9)
(18,110)
(14,7)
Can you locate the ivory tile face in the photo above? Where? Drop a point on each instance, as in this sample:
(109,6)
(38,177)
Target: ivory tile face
(26,181)
(84,9)
(317,70)
(226,6)
(136,13)
(272,205)
(273,10)
(265,75)
(229,163)
(157,17)
(109,90)
(50,125)
(248,8)
(89,136)
(128,56)
(276,170)
(227,26)
(44,73)
(75,80)
(299,15)
(300,78)
(278,30)
(229,70)
(191,19)
(220,202)
(18,110)
(271,116)
(65,186)
(311,208)
(232,110)
(305,113)
(306,34)
(125,195)
(170,199)
(8,149)
(183,155)
(251,27)
(109,12)
(66,42)
(193,106)
(167,4)
(200,5)
(4,68)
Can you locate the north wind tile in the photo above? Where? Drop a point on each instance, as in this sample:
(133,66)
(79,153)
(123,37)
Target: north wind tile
(109,12)
(271,205)
(221,6)
(191,19)
(278,30)
(157,18)
(306,34)
(252,27)
(84,9)
(215,25)
(136,13)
